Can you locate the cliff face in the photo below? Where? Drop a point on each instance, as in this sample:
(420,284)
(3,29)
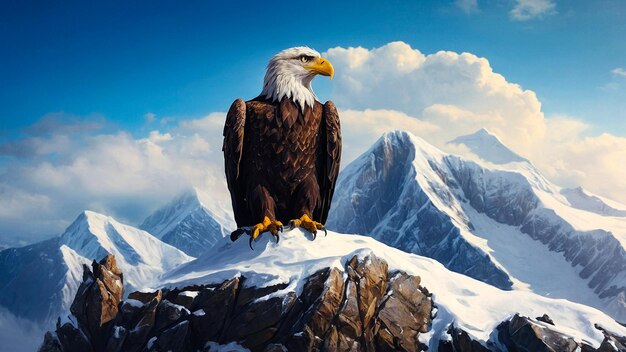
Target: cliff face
(364,306)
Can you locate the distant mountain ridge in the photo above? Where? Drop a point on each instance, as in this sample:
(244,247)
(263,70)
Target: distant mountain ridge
(191,222)
(502,223)
(582,199)
(39,281)
(488,147)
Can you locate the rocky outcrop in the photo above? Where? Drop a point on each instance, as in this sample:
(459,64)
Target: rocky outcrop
(523,334)
(611,342)
(458,340)
(526,334)
(362,308)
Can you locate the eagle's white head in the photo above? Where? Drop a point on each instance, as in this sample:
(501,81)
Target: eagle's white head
(290,72)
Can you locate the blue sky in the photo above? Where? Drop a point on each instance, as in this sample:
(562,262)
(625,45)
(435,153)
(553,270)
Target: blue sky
(120,61)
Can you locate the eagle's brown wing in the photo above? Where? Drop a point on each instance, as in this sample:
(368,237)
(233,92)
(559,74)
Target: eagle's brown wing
(329,157)
(233,148)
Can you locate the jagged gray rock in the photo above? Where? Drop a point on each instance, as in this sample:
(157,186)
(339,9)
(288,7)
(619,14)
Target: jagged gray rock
(368,309)
(363,307)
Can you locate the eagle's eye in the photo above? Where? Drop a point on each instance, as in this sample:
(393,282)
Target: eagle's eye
(305,58)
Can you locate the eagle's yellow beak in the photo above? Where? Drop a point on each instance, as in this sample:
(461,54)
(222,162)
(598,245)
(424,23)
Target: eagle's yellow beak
(322,67)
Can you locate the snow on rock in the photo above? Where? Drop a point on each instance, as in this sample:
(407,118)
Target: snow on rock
(497,219)
(192,222)
(474,306)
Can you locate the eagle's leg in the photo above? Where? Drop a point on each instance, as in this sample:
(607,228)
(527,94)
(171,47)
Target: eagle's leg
(305,198)
(267,225)
(308,224)
(260,202)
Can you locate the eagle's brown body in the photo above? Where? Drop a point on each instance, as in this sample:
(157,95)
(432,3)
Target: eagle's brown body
(281,161)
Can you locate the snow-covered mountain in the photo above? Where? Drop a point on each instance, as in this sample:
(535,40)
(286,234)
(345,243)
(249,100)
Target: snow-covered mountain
(469,304)
(497,220)
(582,199)
(39,281)
(193,222)
(489,147)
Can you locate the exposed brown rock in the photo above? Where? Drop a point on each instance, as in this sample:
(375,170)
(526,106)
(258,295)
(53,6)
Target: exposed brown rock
(349,320)
(139,332)
(210,310)
(371,276)
(523,334)
(116,339)
(146,297)
(169,314)
(73,339)
(405,313)
(50,343)
(360,308)
(611,342)
(175,338)
(460,341)
(309,331)
(546,319)
(97,300)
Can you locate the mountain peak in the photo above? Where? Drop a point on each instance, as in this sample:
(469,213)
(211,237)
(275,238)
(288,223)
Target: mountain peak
(404,141)
(488,147)
(484,131)
(192,222)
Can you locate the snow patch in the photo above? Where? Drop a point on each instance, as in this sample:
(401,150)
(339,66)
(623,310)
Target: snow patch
(473,305)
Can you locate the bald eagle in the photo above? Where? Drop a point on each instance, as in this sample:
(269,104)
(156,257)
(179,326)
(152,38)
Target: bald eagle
(282,149)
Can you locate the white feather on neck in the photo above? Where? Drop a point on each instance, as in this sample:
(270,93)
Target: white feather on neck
(286,79)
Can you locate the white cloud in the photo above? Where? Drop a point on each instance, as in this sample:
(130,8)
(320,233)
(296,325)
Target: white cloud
(467,6)
(618,71)
(113,173)
(19,335)
(525,10)
(446,94)
(458,90)
(360,129)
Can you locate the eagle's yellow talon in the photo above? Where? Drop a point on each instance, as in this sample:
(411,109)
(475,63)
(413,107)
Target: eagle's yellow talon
(267,225)
(308,224)
(255,233)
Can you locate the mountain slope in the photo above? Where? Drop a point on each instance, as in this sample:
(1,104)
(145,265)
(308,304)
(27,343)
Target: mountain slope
(580,198)
(188,224)
(502,223)
(473,306)
(39,281)
(398,198)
